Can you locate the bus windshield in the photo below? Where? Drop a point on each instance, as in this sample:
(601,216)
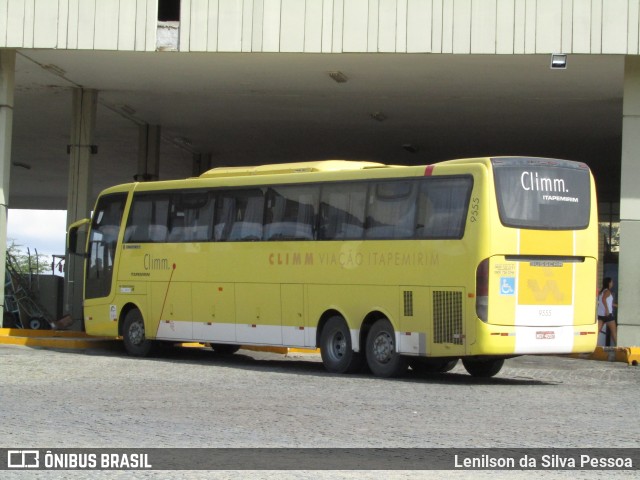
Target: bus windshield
(543,194)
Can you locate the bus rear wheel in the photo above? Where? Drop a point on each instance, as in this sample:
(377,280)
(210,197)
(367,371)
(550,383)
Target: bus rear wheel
(135,340)
(432,365)
(336,349)
(382,355)
(484,368)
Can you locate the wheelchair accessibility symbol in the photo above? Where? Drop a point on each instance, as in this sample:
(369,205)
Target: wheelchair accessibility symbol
(507,286)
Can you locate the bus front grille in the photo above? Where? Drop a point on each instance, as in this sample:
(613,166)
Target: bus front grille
(447,317)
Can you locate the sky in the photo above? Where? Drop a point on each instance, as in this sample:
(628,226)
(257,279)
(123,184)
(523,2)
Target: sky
(44,230)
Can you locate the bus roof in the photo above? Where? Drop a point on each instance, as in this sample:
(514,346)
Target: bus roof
(300,167)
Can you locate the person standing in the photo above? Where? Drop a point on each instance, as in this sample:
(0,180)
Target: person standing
(605,309)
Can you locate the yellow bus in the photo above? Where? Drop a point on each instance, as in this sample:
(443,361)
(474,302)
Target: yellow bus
(379,266)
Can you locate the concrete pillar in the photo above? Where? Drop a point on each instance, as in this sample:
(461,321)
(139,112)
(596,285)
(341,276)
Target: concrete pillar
(7,78)
(79,199)
(148,153)
(629,269)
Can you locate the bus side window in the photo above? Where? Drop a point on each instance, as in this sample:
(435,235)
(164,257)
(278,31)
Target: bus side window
(239,216)
(342,210)
(148,220)
(138,225)
(178,232)
(158,233)
(191,218)
(225,213)
(392,210)
(290,213)
(442,207)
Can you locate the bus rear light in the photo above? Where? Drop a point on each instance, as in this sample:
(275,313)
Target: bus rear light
(482,290)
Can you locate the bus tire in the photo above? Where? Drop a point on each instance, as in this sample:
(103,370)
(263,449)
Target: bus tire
(382,355)
(133,334)
(336,349)
(224,348)
(432,365)
(484,368)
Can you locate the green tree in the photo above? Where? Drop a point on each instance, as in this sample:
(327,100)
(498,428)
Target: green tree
(27,263)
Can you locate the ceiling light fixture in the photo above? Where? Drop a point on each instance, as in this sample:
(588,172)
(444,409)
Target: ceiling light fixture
(558,61)
(128,110)
(56,70)
(26,166)
(338,77)
(411,148)
(182,141)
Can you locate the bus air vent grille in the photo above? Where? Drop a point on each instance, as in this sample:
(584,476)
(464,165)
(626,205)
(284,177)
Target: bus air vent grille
(447,317)
(408,303)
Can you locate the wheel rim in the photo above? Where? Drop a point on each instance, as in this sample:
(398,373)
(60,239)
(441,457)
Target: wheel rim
(136,333)
(338,345)
(383,348)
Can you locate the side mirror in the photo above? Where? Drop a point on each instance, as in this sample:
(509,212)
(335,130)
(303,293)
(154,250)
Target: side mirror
(72,236)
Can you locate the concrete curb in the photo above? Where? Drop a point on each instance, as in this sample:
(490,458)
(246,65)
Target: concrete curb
(19,332)
(628,355)
(53,339)
(80,340)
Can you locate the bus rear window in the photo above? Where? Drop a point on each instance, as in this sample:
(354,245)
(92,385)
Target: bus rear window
(542,193)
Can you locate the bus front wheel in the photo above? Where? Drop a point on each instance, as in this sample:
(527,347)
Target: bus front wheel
(382,353)
(336,349)
(484,368)
(135,340)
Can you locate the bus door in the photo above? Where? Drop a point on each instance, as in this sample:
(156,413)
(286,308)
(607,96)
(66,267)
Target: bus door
(101,257)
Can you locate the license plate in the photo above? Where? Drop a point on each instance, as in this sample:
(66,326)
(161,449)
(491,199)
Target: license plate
(545,335)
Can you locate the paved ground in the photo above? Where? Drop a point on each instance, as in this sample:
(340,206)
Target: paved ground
(194,398)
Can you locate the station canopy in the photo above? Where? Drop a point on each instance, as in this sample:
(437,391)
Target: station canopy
(246,109)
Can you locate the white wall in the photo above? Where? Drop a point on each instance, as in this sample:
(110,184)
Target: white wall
(412,26)
(435,26)
(79,24)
